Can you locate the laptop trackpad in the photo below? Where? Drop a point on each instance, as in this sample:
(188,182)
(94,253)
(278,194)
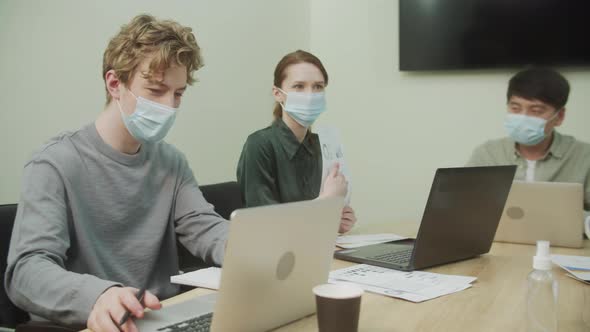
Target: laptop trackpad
(154,320)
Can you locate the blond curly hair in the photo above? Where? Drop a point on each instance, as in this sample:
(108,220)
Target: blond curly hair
(169,42)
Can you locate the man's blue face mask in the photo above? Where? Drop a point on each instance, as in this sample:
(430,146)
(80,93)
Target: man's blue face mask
(150,122)
(526,130)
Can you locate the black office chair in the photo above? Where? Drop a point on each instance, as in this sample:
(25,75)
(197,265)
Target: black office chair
(226,198)
(10,315)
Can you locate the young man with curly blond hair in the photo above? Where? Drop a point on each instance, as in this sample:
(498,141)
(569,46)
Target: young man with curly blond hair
(101,207)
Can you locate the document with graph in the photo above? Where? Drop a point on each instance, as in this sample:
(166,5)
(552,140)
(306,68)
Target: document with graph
(413,286)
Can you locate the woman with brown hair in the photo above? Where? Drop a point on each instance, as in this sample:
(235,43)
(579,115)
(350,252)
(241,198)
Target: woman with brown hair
(283,162)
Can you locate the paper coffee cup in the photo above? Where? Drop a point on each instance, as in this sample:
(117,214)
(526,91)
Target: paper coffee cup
(338,307)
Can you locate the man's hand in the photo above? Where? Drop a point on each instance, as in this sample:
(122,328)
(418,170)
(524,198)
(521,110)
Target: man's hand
(347,220)
(112,305)
(335,183)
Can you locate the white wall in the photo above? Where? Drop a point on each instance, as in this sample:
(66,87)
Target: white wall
(399,127)
(51,63)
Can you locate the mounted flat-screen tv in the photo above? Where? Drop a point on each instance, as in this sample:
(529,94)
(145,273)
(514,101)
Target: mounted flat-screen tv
(477,34)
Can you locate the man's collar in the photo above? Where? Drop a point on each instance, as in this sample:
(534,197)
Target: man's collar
(556,149)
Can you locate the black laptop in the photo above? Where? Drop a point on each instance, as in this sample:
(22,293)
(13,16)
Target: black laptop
(459,222)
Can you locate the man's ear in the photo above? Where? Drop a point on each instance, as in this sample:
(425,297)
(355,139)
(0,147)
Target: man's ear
(560,117)
(112,83)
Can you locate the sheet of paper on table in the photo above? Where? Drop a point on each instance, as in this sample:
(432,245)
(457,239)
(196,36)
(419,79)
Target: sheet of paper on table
(413,286)
(205,278)
(577,266)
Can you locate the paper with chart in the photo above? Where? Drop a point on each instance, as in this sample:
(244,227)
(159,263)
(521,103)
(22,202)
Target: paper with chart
(413,286)
(333,152)
(205,278)
(355,241)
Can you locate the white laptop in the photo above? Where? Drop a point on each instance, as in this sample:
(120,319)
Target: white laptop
(274,257)
(552,211)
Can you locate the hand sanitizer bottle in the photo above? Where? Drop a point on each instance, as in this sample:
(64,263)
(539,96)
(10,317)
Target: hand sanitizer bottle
(542,290)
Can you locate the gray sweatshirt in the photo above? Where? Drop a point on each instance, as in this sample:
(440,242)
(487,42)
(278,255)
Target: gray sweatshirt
(91,217)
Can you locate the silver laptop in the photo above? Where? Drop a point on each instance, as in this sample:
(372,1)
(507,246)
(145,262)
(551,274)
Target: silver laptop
(552,211)
(275,255)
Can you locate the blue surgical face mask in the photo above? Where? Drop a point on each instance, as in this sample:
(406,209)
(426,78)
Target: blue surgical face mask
(526,130)
(304,107)
(150,122)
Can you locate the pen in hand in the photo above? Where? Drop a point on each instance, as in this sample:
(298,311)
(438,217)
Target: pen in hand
(140,294)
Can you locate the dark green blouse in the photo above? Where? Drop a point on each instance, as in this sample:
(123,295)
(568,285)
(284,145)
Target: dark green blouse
(275,168)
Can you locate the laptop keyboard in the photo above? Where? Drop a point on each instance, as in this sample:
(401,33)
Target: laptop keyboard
(398,257)
(197,324)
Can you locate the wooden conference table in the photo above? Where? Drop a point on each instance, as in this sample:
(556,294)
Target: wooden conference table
(496,302)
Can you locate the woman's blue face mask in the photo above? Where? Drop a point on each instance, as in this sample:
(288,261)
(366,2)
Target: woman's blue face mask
(304,107)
